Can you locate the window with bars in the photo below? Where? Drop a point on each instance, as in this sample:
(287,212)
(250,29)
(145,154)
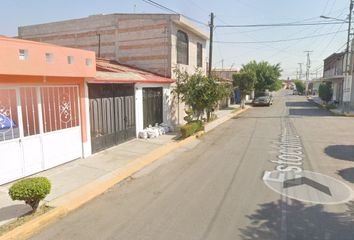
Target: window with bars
(29,107)
(182,47)
(199,55)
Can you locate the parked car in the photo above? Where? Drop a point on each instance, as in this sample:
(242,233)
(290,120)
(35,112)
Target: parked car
(263,101)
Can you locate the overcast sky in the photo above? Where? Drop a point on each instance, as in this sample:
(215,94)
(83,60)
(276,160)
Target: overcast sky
(323,40)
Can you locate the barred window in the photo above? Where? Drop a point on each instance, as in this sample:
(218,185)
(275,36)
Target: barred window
(182,47)
(199,55)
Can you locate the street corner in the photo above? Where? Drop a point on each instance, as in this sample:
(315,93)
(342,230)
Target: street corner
(308,186)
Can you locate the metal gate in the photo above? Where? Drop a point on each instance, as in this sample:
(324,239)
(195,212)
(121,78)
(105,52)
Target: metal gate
(152,105)
(112,115)
(39,129)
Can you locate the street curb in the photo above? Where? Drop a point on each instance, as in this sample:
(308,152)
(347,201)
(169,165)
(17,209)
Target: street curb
(83,195)
(221,120)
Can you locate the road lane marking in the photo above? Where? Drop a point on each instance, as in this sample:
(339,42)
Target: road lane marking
(307,181)
(305,185)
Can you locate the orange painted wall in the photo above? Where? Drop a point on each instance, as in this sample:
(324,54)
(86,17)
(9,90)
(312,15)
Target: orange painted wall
(18,81)
(36,63)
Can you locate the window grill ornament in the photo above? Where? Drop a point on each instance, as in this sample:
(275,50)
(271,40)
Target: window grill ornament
(65,108)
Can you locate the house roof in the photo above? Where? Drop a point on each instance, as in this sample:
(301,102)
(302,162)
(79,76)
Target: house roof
(113,71)
(334,55)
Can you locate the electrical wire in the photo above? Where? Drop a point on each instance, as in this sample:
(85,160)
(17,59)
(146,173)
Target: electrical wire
(281,40)
(279,24)
(158,5)
(266,28)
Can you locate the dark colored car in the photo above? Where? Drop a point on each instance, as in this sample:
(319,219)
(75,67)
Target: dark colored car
(263,101)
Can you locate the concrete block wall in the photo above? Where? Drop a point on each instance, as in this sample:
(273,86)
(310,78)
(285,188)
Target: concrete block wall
(147,41)
(77,33)
(144,42)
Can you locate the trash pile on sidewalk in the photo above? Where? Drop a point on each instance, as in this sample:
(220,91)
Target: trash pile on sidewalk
(154,132)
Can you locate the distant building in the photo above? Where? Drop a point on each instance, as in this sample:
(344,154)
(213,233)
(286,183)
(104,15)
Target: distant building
(333,71)
(226,76)
(225,73)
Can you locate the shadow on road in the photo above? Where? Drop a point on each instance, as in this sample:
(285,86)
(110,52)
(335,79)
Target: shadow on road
(300,104)
(347,174)
(258,117)
(13,211)
(341,152)
(305,222)
(309,112)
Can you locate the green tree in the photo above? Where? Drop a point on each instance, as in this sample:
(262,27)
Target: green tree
(267,75)
(325,91)
(244,81)
(200,93)
(278,84)
(300,86)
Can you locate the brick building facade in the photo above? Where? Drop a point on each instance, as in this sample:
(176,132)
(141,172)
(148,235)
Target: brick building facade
(147,41)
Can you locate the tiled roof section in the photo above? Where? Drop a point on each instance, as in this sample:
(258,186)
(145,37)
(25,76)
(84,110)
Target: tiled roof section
(112,71)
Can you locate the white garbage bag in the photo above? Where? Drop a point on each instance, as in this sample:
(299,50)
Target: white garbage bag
(143,134)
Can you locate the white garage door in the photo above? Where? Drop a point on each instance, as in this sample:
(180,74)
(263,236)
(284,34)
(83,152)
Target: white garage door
(39,129)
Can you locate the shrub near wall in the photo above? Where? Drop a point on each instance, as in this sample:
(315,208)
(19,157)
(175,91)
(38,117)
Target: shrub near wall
(192,127)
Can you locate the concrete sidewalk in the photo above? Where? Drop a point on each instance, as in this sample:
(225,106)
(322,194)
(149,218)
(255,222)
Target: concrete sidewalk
(70,176)
(74,175)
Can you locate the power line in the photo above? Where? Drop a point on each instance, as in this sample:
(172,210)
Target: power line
(278,24)
(158,5)
(266,28)
(281,40)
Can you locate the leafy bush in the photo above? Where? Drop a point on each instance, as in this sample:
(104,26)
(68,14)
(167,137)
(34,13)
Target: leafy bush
(189,115)
(300,86)
(325,92)
(201,93)
(30,190)
(190,128)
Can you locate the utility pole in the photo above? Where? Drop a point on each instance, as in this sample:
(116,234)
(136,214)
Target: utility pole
(316,73)
(348,69)
(211,25)
(222,64)
(300,71)
(308,66)
(297,73)
(99,45)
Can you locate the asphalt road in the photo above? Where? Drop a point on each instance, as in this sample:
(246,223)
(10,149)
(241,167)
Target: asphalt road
(214,189)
